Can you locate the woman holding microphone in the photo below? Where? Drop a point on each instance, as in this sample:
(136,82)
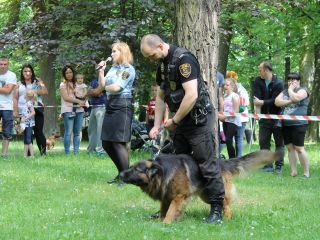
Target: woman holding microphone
(116,129)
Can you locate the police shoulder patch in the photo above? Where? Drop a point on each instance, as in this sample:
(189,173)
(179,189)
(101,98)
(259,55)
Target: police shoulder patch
(185,69)
(125,75)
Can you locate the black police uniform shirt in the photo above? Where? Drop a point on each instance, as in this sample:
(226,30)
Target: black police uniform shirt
(187,69)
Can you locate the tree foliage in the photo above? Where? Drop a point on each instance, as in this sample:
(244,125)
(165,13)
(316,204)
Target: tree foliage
(81,33)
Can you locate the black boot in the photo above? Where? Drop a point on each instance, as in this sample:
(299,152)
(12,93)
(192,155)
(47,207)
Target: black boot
(215,216)
(115,180)
(155,215)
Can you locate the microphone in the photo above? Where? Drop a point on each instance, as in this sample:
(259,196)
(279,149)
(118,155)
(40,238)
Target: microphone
(109,59)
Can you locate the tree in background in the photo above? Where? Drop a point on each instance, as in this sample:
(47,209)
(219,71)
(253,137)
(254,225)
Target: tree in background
(50,34)
(197,30)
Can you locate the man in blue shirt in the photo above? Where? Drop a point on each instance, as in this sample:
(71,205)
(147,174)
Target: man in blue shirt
(97,100)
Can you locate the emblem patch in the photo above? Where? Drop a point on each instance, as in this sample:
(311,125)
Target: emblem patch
(125,75)
(185,69)
(173,85)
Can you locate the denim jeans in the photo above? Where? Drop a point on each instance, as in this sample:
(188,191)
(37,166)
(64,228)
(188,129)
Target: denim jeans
(7,123)
(72,125)
(239,139)
(27,135)
(95,128)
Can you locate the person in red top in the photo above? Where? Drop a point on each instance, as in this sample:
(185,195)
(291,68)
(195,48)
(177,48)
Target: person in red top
(151,105)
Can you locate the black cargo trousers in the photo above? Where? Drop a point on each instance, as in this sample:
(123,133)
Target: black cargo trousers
(198,141)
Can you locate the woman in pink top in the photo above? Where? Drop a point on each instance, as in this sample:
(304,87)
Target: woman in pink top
(71,122)
(231,123)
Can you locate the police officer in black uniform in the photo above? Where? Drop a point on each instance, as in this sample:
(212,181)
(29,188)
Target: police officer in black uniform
(182,88)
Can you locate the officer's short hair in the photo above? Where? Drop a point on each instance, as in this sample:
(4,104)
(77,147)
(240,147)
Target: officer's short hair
(267,65)
(152,40)
(4,58)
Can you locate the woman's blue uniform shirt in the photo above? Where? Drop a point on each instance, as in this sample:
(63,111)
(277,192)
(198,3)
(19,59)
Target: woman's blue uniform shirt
(123,76)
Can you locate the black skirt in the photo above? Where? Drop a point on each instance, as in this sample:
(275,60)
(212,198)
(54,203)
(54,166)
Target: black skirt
(117,120)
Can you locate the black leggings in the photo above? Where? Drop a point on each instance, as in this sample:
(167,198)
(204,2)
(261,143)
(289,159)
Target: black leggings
(38,132)
(230,131)
(118,153)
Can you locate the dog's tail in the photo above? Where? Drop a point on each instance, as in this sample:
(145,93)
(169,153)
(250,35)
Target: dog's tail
(250,161)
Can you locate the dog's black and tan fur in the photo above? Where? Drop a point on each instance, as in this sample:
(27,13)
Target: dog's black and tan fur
(173,179)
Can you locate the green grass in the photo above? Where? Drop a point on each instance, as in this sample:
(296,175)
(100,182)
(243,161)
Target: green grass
(59,197)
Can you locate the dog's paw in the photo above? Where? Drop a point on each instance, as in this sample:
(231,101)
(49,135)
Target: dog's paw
(167,221)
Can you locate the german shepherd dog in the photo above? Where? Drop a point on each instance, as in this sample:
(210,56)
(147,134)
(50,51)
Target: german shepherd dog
(173,179)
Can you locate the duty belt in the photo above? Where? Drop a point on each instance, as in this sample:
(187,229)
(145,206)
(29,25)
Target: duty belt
(119,96)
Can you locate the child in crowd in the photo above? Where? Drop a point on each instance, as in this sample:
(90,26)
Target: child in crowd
(81,90)
(150,113)
(230,123)
(27,122)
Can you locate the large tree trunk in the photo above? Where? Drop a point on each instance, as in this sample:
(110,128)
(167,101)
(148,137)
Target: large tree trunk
(197,30)
(47,73)
(314,97)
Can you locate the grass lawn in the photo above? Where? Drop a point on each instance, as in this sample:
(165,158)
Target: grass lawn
(66,197)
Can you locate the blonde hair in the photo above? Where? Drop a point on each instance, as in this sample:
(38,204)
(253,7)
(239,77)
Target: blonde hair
(233,84)
(126,54)
(30,95)
(79,75)
(232,74)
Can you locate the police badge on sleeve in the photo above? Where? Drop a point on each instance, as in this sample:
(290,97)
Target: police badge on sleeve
(185,69)
(125,75)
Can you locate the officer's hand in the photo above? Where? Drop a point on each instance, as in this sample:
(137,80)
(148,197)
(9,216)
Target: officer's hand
(154,132)
(170,125)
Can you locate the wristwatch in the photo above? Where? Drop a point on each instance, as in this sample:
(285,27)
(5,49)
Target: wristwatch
(174,122)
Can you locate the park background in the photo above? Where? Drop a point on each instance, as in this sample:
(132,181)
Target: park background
(225,35)
(59,197)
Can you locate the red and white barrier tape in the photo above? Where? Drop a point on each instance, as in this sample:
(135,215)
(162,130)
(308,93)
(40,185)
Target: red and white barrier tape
(272,116)
(232,114)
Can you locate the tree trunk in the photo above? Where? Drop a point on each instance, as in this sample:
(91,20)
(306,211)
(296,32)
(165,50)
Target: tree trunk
(287,59)
(314,97)
(225,37)
(197,30)
(287,67)
(47,74)
(224,48)
(307,67)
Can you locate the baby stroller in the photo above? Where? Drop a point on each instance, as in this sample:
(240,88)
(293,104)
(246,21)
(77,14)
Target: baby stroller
(141,140)
(139,135)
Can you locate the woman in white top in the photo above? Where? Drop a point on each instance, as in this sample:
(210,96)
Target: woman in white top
(230,123)
(38,88)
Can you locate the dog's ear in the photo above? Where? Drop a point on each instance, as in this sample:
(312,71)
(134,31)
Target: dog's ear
(154,169)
